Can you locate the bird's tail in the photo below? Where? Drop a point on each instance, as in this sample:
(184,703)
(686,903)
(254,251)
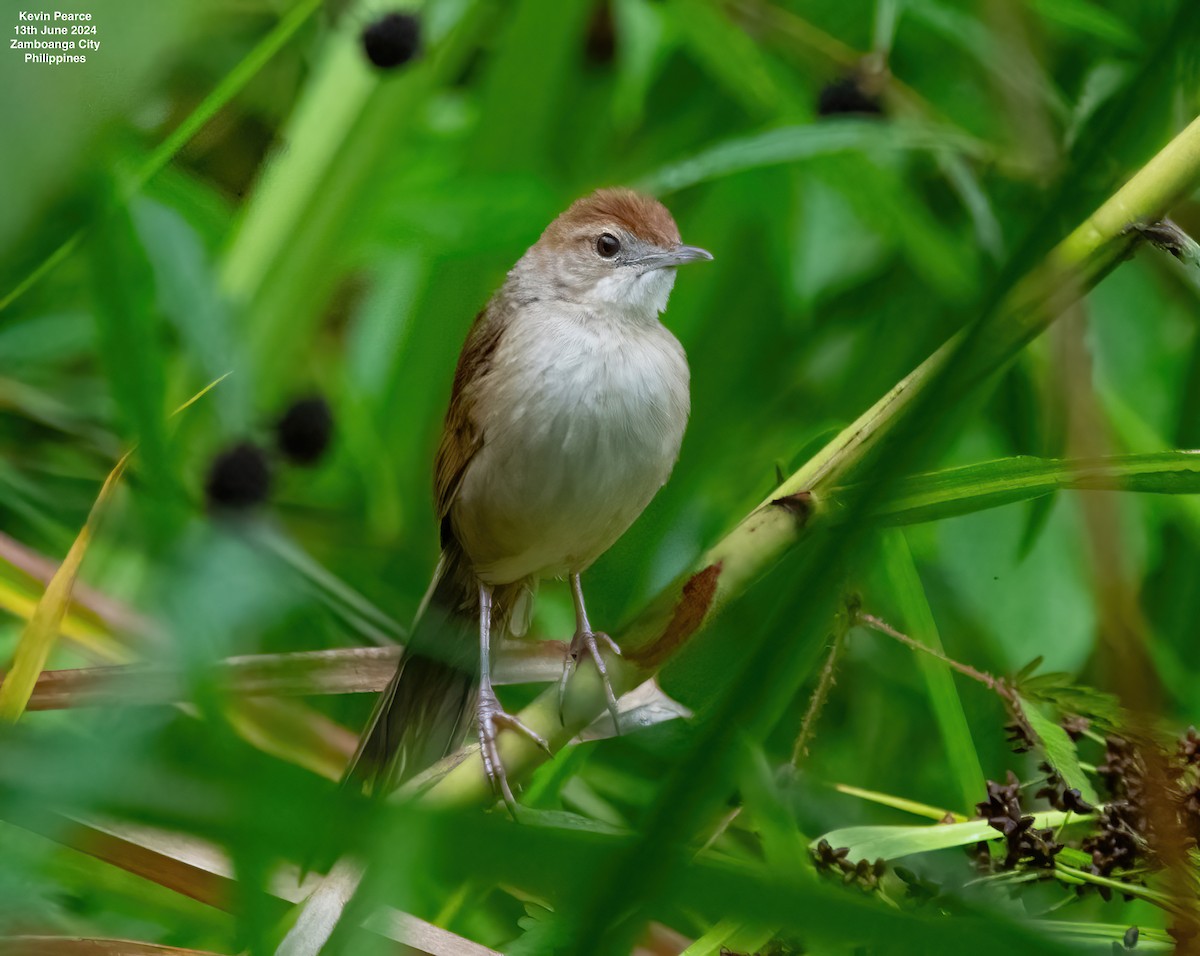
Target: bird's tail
(420,717)
(427,708)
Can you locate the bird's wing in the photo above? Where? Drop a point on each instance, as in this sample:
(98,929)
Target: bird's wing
(462,435)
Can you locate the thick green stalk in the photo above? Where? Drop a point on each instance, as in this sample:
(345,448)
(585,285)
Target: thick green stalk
(785,517)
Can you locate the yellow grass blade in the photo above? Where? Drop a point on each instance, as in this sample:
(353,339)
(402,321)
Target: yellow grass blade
(82,631)
(200,394)
(46,621)
(39,634)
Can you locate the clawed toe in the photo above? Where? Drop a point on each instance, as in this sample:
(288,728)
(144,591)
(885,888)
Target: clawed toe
(492,719)
(590,641)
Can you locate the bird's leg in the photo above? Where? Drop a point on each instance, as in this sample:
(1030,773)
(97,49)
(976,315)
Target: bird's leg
(587,639)
(493,717)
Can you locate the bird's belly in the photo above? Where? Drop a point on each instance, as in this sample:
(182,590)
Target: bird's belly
(569,462)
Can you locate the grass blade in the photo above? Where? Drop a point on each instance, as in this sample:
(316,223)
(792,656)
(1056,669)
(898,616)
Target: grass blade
(893,842)
(791,144)
(991,484)
(39,634)
(909,595)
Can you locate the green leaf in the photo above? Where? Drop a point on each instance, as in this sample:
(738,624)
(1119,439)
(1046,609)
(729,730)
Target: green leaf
(132,344)
(730,55)
(894,842)
(908,593)
(791,144)
(1085,17)
(1069,697)
(990,484)
(1059,750)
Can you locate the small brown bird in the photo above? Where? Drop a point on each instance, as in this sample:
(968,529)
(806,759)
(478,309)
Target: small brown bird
(568,408)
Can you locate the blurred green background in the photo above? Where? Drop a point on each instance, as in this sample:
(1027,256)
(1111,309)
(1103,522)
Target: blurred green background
(233,188)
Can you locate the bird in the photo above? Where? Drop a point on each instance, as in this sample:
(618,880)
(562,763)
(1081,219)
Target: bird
(567,412)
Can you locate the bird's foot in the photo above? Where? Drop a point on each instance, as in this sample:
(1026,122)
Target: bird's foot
(590,641)
(492,719)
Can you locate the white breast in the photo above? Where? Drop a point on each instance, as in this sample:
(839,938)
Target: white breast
(581,429)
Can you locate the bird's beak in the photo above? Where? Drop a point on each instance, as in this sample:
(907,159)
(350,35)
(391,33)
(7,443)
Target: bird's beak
(675,257)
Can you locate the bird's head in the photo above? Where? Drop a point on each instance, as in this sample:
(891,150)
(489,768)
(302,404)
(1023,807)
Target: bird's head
(613,250)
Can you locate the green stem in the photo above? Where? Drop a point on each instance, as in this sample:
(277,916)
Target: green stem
(1132,889)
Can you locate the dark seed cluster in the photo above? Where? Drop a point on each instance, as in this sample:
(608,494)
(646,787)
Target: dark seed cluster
(1153,801)
(1075,726)
(848,95)
(1019,736)
(241,476)
(1187,783)
(304,430)
(864,873)
(1123,770)
(1119,839)
(1125,828)
(1189,812)
(392,40)
(600,45)
(1117,842)
(1059,795)
(1189,748)
(1024,843)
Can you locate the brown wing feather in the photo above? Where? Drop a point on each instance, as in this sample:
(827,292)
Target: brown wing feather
(461,436)
(420,715)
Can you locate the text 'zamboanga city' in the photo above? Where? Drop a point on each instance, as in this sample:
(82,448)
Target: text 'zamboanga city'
(53,37)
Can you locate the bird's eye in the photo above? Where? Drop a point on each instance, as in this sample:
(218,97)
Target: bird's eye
(608,245)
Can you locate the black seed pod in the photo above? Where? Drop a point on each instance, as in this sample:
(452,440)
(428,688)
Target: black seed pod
(303,432)
(1020,736)
(827,857)
(601,41)
(392,40)
(239,477)
(1061,796)
(847,95)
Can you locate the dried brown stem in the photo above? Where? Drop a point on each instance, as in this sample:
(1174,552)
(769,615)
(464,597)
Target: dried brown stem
(996,684)
(354,670)
(820,694)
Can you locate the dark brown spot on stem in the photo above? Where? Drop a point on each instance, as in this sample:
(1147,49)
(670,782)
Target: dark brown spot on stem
(690,612)
(800,504)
